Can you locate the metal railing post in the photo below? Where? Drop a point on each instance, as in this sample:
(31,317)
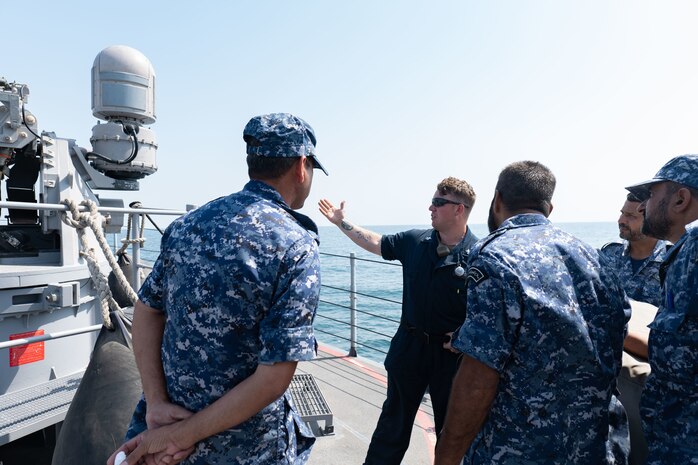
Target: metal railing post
(136,250)
(352,304)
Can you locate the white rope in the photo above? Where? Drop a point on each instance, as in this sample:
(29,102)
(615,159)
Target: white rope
(126,242)
(136,240)
(94,220)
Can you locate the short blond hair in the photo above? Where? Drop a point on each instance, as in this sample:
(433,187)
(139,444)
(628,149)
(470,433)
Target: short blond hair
(458,188)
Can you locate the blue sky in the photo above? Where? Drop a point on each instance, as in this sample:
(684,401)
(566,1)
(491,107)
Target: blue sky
(400,93)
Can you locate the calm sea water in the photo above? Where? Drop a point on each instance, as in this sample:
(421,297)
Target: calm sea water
(378,284)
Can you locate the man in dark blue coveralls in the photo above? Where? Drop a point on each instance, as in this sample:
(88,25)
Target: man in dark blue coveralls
(433,306)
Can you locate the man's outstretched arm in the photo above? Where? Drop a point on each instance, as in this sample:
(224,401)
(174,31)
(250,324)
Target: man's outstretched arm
(367,240)
(474,389)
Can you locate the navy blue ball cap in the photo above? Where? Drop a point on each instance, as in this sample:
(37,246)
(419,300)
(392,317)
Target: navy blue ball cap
(281,135)
(682,170)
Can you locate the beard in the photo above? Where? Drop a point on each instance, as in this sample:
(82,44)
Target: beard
(625,232)
(658,224)
(491,220)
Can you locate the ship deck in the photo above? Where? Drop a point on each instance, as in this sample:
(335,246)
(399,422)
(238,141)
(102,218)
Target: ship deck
(354,389)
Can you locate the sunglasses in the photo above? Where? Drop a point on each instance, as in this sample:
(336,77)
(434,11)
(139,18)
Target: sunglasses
(440,202)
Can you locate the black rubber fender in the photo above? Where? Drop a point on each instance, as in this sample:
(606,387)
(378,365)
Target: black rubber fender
(119,294)
(101,410)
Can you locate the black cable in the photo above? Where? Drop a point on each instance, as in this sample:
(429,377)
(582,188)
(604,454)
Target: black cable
(153,223)
(24,116)
(128,130)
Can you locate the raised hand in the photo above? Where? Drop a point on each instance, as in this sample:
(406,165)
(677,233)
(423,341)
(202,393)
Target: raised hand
(333,214)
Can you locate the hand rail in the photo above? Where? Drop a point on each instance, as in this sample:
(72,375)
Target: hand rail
(353,324)
(49,336)
(352,304)
(348,314)
(83,208)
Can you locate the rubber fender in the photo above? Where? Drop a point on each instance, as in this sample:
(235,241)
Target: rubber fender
(100,412)
(121,297)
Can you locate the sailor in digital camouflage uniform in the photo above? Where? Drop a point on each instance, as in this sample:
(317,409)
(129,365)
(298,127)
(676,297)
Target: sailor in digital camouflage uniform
(637,258)
(636,261)
(669,404)
(227,313)
(542,341)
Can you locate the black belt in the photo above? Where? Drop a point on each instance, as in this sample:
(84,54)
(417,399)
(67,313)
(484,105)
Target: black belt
(425,336)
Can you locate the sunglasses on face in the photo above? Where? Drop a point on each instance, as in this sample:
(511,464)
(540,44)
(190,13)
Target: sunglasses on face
(440,202)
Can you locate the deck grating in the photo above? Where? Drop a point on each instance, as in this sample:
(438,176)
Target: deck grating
(310,403)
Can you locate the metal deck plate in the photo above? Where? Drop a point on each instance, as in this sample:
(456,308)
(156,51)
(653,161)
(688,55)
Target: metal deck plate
(29,410)
(311,404)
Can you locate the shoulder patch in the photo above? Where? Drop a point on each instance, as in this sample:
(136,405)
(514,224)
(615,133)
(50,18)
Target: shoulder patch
(476,275)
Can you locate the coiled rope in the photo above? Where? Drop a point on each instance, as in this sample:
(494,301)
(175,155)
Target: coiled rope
(93,220)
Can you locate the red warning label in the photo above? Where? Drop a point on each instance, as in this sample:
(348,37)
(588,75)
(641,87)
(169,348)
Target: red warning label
(26,353)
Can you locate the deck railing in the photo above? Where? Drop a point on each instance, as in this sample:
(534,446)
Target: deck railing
(378,316)
(136,216)
(345,313)
(337,320)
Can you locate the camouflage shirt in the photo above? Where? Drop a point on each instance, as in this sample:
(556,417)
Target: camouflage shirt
(551,321)
(642,285)
(669,405)
(238,280)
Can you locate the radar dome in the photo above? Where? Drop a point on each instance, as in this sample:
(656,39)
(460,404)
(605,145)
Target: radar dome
(123,85)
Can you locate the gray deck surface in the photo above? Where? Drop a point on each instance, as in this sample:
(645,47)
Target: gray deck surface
(354,389)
